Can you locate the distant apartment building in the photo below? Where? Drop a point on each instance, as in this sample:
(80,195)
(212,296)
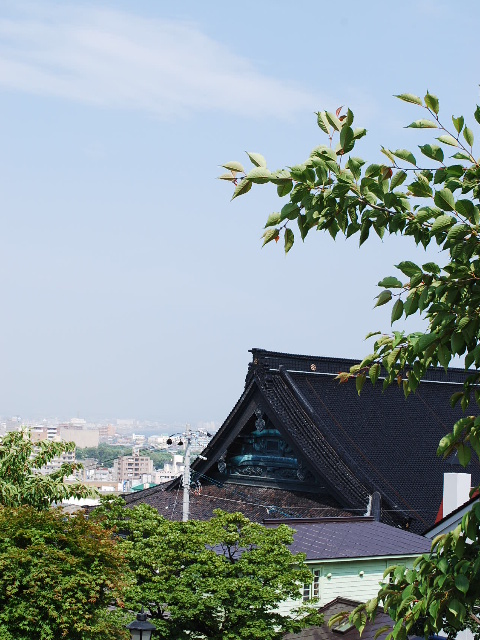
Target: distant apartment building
(170,470)
(130,467)
(107,432)
(159,441)
(39,432)
(80,436)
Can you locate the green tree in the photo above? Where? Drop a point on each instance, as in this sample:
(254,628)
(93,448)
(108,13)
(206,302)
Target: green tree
(105,454)
(21,482)
(435,200)
(221,579)
(58,576)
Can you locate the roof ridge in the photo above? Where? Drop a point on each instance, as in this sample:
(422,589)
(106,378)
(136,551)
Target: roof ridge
(313,364)
(324,520)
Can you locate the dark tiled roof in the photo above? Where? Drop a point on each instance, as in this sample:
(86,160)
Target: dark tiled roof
(331,538)
(378,441)
(257,503)
(340,605)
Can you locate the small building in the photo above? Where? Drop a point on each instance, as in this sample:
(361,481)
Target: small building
(344,630)
(127,468)
(79,435)
(348,556)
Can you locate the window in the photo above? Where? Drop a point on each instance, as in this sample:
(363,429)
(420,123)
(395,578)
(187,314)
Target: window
(343,627)
(312,590)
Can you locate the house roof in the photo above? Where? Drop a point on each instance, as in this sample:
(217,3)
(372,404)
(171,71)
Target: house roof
(350,537)
(340,605)
(257,503)
(450,521)
(356,445)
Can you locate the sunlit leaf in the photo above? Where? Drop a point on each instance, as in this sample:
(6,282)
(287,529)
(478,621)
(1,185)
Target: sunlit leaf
(409,97)
(257,159)
(422,124)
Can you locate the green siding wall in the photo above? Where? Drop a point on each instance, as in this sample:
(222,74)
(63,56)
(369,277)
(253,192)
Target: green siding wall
(346,581)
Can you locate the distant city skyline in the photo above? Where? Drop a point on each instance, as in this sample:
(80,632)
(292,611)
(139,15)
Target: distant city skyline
(120,423)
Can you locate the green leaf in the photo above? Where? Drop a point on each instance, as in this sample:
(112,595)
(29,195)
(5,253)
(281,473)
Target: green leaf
(359,133)
(447,139)
(233,166)
(259,175)
(457,232)
(333,120)
(445,200)
(388,153)
(431,267)
(359,382)
(468,135)
(280,177)
(272,220)
(346,139)
(458,343)
(242,187)
(373,170)
(371,606)
(269,235)
(383,298)
(465,208)
(374,372)
(382,630)
(398,179)
(432,151)
(257,159)
(461,155)
(289,240)
(477,114)
(349,119)
(442,223)
(227,176)
(290,211)
(409,268)
(411,304)
(406,155)
(391,281)
(397,311)
(432,102)
(323,122)
(464,456)
(409,97)
(458,123)
(284,188)
(422,124)
(462,583)
(355,164)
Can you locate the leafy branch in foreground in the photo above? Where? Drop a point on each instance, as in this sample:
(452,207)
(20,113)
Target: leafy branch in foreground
(435,200)
(335,191)
(22,483)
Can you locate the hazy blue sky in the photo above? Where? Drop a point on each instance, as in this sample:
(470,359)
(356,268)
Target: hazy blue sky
(130,286)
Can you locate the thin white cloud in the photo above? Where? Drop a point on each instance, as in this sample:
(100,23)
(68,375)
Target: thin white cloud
(117,59)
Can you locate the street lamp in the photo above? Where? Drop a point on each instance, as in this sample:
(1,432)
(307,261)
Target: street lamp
(140,629)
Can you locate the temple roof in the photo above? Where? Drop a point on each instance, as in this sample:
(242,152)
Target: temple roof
(352,446)
(257,503)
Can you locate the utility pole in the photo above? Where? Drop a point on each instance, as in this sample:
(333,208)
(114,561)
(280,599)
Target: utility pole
(186,474)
